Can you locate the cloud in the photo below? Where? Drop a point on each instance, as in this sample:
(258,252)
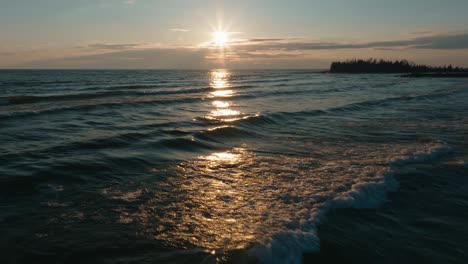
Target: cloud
(104,46)
(252,53)
(255,46)
(422,32)
(458,41)
(150,58)
(255,55)
(266,39)
(7,53)
(442,42)
(179,30)
(130,2)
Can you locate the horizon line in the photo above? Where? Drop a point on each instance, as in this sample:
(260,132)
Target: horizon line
(158,69)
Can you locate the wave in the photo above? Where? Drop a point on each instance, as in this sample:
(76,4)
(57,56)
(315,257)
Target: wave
(289,245)
(178,140)
(90,156)
(34,83)
(29,99)
(26,99)
(247,122)
(160,84)
(137,96)
(145,98)
(92,104)
(185,144)
(362,106)
(219,133)
(387,101)
(99,143)
(272,80)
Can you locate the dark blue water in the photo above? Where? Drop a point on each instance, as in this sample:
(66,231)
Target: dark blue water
(231,166)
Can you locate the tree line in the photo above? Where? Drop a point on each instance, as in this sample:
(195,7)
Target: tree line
(384,66)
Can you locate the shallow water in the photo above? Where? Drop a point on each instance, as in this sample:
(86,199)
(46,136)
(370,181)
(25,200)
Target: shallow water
(215,166)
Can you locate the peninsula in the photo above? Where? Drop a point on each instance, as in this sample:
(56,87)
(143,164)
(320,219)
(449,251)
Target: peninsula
(411,69)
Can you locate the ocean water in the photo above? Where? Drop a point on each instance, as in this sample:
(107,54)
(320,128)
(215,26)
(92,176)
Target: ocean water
(229,166)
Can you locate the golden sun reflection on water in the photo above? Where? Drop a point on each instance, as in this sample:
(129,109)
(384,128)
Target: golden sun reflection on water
(222,157)
(221,104)
(219,79)
(222,109)
(222,93)
(211,215)
(238,198)
(224,113)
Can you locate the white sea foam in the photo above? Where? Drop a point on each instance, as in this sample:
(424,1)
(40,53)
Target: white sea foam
(269,204)
(124,196)
(288,246)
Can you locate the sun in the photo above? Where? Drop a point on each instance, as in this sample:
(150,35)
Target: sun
(220,38)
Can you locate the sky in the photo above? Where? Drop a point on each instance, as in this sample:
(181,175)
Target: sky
(177,34)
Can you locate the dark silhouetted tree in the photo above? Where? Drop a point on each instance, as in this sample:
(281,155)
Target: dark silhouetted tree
(383,66)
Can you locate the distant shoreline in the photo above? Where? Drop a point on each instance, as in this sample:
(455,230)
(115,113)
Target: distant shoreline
(411,69)
(412,75)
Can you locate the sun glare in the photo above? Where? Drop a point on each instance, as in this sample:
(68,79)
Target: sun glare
(220,38)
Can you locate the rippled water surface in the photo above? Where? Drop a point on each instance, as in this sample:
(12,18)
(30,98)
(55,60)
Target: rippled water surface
(218,166)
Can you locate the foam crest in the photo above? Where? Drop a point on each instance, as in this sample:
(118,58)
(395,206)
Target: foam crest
(270,206)
(288,246)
